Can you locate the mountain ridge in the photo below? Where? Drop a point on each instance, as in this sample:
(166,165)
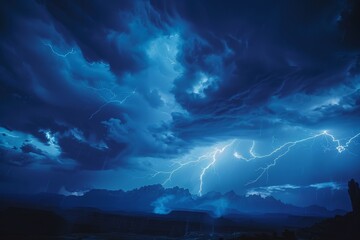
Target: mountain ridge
(160,200)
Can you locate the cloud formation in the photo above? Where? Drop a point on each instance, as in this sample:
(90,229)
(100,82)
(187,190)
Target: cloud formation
(102,91)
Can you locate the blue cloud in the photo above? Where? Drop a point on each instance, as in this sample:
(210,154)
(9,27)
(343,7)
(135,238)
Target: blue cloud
(104,91)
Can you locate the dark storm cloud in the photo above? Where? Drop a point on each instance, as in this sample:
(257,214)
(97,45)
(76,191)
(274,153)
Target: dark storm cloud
(98,86)
(239,55)
(15,158)
(89,156)
(350,24)
(90,24)
(29,148)
(44,89)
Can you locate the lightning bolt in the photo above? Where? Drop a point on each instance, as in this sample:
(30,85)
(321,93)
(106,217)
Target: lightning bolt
(112,99)
(211,164)
(180,165)
(287,147)
(108,100)
(72,51)
(210,156)
(340,148)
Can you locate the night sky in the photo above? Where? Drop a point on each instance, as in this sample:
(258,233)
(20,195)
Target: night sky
(258,97)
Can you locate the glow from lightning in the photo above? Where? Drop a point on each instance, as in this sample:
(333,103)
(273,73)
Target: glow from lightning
(211,156)
(340,148)
(211,164)
(287,146)
(50,138)
(72,51)
(180,165)
(113,99)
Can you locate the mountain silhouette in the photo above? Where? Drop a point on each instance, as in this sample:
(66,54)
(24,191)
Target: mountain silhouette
(160,200)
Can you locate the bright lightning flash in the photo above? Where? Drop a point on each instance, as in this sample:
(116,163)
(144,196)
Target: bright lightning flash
(287,147)
(211,164)
(210,156)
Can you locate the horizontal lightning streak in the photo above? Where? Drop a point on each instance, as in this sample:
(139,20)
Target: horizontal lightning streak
(287,146)
(340,147)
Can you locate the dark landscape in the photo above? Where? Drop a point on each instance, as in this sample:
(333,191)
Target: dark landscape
(103,214)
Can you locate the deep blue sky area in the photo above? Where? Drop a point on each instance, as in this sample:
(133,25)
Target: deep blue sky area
(258,97)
